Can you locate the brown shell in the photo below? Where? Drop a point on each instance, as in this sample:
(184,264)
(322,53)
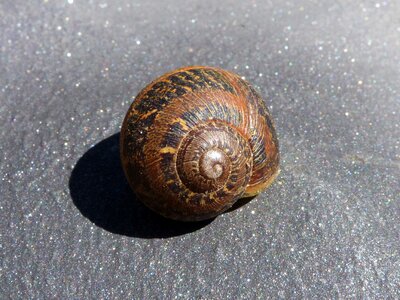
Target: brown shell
(197,139)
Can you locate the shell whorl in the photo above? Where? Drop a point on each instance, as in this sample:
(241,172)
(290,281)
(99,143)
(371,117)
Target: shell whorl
(214,156)
(195,140)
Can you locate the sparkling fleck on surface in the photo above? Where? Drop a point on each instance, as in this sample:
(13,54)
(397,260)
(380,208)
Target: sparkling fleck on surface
(328,228)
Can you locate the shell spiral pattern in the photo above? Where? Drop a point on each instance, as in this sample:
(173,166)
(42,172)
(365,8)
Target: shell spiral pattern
(196,140)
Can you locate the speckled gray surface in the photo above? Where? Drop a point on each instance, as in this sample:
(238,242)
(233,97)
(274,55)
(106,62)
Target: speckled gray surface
(328,228)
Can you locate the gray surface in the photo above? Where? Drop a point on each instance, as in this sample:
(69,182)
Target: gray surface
(328,228)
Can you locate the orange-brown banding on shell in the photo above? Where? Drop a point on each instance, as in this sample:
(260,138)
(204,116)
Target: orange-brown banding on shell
(172,108)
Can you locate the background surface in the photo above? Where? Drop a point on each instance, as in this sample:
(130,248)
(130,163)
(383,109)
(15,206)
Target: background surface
(328,228)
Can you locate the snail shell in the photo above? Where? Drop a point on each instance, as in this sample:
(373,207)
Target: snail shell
(196,140)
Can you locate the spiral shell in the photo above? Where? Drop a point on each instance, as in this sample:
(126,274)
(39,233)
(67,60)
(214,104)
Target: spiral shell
(195,140)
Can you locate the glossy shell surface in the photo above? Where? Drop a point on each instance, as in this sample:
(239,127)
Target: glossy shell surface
(197,139)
